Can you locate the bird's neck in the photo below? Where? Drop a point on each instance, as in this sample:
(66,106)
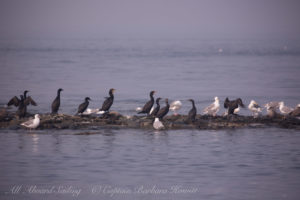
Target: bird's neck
(111,94)
(216,102)
(193,103)
(151,97)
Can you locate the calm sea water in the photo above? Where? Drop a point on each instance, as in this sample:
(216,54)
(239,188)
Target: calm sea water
(229,164)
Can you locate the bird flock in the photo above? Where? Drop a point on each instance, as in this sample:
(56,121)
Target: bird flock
(232,108)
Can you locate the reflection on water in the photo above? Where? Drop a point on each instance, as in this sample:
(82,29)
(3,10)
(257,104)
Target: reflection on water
(230,164)
(35,142)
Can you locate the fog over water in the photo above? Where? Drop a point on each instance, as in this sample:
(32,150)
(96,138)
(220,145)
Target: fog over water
(145,18)
(182,49)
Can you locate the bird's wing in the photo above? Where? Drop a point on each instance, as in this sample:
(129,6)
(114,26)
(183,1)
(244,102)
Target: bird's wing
(106,104)
(147,105)
(27,123)
(161,111)
(287,109)
(14,101)
(29,100)
(209,108)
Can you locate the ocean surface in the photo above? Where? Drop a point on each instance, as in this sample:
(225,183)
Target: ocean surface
(144,164)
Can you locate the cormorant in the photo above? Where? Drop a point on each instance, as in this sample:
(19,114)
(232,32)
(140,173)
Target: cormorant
(56,103)
(213,108)
(82,107)
(164,111)
(193,111)
(108,102)
(232,105)
(156,109)
(22,108)
(147,107)
(15,100)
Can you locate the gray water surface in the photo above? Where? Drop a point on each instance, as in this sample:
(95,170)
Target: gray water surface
(229,164)
(144,164)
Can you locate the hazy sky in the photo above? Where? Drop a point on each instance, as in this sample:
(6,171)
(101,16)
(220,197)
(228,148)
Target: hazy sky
(137,18)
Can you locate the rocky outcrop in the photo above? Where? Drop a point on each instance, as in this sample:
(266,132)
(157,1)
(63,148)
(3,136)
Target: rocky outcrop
(116,120)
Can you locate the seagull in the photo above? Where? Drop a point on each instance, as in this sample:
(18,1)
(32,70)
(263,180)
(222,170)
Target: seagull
(254,108)
(158,125)
(213,108)
(32,123)
(272,104)
(138,109)
(90,111)
(284,109)
(175,106)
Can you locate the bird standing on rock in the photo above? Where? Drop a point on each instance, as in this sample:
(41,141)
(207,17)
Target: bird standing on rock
(82,107)
(156,109)
(232,105)
(56,103)
(32,123)
(175,106)
(158,125)
(193,112)
(15,100)
(284,109)
(164,111)
(108,102)
(254,108)
(147,107)
(213,108)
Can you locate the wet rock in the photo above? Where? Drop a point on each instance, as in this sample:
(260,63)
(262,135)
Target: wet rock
(116,120)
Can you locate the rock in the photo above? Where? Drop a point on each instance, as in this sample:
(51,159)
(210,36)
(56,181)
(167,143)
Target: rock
(116,120)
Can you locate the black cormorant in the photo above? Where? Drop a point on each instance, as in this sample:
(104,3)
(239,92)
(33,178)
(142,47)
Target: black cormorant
(162,112)
(27,100)
(193,111)
(108,102)
(232,105)
(22,108)
(56,103)
(147,107)
(156,109)
(82,107)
